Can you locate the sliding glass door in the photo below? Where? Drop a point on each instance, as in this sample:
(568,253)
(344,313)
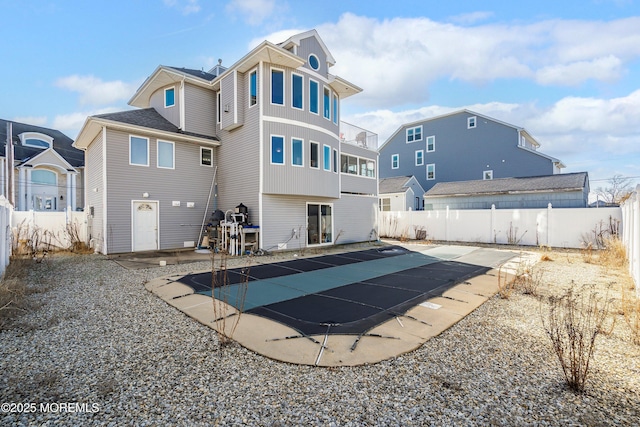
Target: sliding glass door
(319,224)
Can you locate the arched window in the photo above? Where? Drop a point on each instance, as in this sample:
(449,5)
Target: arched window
(36,140)
(44,177)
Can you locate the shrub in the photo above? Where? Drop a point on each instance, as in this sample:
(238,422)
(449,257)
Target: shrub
(631,313)
(573,324)
(229,304)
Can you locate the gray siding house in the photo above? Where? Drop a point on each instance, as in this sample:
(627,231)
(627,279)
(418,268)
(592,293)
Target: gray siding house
(264,132)
(463,146)
(46,172)
(570,190)
(400,193)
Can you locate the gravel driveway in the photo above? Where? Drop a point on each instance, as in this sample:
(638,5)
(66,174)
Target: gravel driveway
(98,349)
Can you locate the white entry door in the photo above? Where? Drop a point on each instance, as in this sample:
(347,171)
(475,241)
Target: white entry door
(145,226)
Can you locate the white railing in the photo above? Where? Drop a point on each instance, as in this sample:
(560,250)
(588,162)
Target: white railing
(5,233)
(631,234)
(354,135)
(554,227)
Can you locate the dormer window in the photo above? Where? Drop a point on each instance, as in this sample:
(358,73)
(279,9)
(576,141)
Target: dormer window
(169,97)
(36,140)
(314,63)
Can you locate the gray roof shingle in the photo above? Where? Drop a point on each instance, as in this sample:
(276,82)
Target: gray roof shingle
(150,118)
(396,184)
(558,182)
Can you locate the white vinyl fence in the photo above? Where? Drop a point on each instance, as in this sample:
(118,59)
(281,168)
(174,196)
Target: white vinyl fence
(51,229)
(5,233)
(554,227)
(631,235)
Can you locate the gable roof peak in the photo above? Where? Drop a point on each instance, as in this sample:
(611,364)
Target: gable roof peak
(297,38)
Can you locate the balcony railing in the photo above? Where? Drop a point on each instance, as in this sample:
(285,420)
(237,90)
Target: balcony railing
(351,134)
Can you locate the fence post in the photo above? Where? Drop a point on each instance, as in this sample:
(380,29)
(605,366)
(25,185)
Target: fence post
(492,224)
(635,241)
(446,225)
(549,209)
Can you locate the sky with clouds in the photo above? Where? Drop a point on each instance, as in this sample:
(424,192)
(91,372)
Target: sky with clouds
(568,72)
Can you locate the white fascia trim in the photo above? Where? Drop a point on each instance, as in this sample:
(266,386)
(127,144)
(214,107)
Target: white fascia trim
(300,124)
(235,96)
(181,99)
(104,190)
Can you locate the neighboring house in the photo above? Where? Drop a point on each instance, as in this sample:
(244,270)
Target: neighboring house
(400,193)
(463,146)
(45,172)
(569,190)
(265,133)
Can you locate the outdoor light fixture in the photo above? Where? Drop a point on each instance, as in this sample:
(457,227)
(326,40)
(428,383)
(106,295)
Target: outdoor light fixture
(145,195)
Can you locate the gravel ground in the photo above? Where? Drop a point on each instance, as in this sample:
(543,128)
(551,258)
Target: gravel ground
(98,349)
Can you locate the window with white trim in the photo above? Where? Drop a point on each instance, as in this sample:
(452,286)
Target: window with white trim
(253,88)
(169,97)
(313,96)
(297,152)
(487,175)
(335,160)
(297,100)
(277,150)
(431,144)
(472,122)
(385,204)
(313,155)
(206,156)
(36,140)
(335,108)
(219,109)
(419,157)
(431,171)
(138,151)
(414,134)
(326,112)
(326,157)
(277,87)
(166,154)
(395,161)
(314,63)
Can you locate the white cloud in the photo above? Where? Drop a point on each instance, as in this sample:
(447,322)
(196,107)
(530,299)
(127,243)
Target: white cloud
(70,124)
(31,120)
(94,91)
(254,12)
(396,60)
(187,7)
(605,69)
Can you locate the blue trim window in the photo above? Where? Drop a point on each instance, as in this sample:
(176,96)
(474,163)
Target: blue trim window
(326,157)
(395,161)
(169,97)
(297,152)
(138,151)
(253,88)
(414,134)
(313,96)
(419,157)
(277,87)
(296,91)
(431,144)
(277,150)
(335,108)
(431,171)
(326,104)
